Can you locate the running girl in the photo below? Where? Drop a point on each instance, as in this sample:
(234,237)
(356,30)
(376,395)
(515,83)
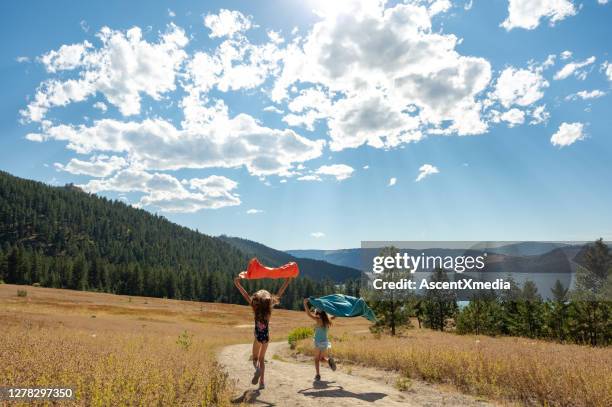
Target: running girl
(321,342)
(262,303)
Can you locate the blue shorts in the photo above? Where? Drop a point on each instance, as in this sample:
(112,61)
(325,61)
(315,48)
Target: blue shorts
(323,345)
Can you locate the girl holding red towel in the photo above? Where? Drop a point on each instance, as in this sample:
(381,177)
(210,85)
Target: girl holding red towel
(262,303)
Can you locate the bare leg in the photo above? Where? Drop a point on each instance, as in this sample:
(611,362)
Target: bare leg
(262,361)
(256,347)
(323,356)
(317,359)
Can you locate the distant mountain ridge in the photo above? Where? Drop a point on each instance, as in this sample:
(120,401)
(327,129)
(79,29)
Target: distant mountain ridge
(316,269)
(354,257)
(341,257)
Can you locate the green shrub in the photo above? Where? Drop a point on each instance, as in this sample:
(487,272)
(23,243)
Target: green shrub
(22,293)
(298,334)
(185,340)
(403,383)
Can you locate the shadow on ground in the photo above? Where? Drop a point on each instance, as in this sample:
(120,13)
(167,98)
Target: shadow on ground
(324,388)
(251,397)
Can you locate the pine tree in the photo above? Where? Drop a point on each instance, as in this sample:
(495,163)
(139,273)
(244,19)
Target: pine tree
(530,312)
(482,316)
(590,311)
(439,305)
(3,265)
(79,274)
(13,264)
(556,319)
(390,306)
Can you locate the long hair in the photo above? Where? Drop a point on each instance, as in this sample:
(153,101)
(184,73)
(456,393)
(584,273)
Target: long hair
(325,321)
(263,302)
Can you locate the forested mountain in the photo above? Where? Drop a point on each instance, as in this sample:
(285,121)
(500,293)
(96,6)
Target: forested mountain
(315,269)
(65,238)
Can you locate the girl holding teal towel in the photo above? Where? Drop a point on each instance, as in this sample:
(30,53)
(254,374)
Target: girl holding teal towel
(321,341)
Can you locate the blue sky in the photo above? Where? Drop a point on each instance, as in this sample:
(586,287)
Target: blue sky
(303,125)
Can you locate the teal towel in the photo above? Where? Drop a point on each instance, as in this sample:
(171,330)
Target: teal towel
(341,305)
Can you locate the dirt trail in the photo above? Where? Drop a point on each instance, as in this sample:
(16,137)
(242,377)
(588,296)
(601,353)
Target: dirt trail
(290,383)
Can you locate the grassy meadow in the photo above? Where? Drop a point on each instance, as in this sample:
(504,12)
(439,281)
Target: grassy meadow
(508,369)
(120,350)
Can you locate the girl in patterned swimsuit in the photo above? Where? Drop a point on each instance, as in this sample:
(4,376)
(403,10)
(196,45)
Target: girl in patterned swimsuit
(262,303)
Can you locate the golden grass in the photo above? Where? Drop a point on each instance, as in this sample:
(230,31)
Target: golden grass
(118,350)
(113,368)
(515,369)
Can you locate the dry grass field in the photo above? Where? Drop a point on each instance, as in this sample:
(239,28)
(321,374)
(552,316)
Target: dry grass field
(119,350)
(514,370)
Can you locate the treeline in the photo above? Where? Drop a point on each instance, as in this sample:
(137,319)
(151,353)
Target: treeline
(62,237)
(582,315)
(20,265)
(560,319)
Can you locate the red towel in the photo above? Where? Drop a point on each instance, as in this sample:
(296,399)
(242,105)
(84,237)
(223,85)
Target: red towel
(257,270)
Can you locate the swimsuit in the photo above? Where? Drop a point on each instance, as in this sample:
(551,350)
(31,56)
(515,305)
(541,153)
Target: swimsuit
(262,331)
(320,338)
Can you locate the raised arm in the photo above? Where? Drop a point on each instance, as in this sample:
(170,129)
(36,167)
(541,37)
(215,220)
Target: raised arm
(307,310)
(244,293)
(281,290)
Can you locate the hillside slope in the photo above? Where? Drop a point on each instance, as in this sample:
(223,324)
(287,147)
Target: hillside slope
(62,237)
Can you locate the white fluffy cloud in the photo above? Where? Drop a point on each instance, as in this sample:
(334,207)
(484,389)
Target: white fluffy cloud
(416,80)
(426,170)
(273,109)
(309,177)
(520,87)
(101,106)
(122,69)
(574,68)
(167,193)
(253,211)
(513,117)
(227,23)
(539,115)
(338,171)
(369,73)
(607,68)
(66,57)
(528,13)
(155,144)
(585,95)
(98,166)
(310,105)
(568,134)
(392,181)
(317,235)
(234,65)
